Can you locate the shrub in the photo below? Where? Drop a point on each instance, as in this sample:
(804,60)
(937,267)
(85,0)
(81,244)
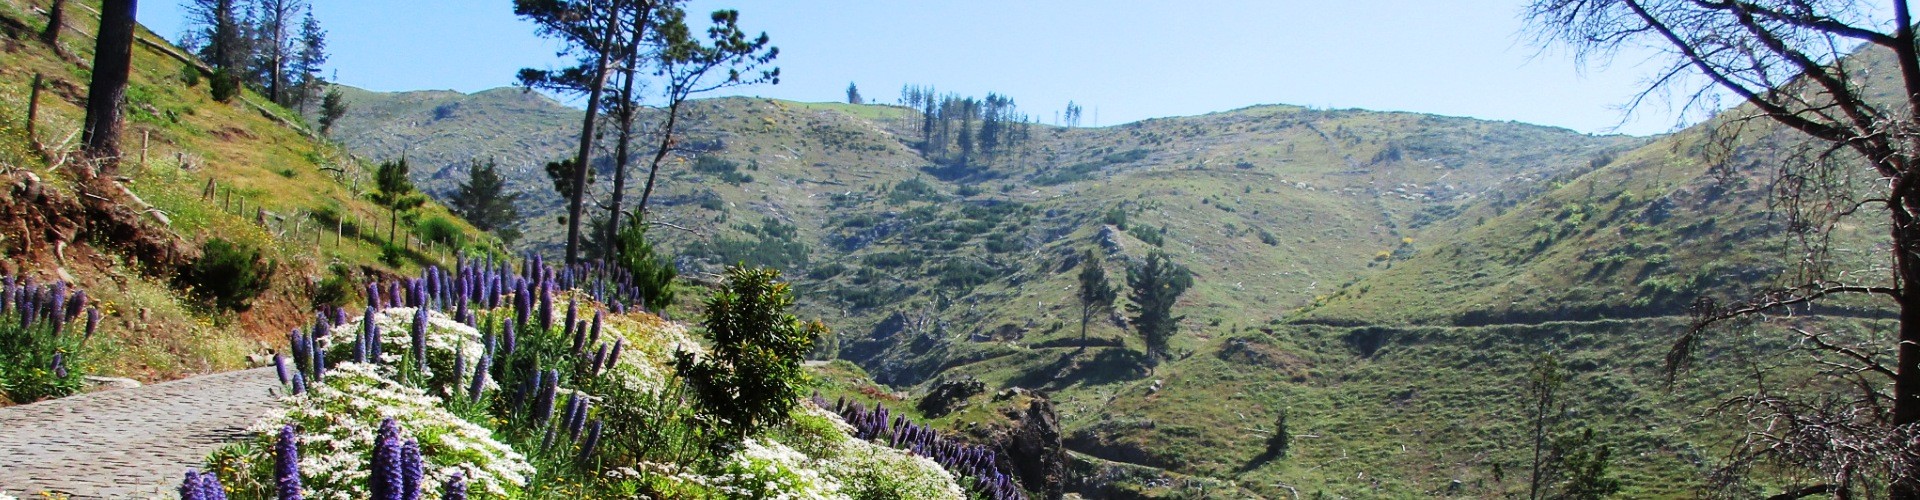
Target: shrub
(336,288)
(225,85)
(752,377)
(390,254)
(440,230)
(652,274)
(229,274)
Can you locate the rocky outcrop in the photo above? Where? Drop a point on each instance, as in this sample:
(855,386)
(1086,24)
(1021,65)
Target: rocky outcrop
(1031,442)
(950,395)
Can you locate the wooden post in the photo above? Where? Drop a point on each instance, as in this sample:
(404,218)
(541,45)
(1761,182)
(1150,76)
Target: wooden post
(145,135)
(33,106)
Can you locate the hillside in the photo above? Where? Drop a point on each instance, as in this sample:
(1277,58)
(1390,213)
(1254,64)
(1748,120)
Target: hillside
(931,272)
(246,171)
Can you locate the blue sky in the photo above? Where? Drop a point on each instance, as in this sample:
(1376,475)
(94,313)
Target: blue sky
(1125,60)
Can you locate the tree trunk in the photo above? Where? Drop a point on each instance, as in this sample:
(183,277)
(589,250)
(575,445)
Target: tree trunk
(1906,384)
(56,16)
(575,203)
(659,155)
(626,111)
(112,62)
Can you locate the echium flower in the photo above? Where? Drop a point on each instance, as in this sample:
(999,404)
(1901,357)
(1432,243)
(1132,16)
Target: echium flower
(507,349)
(455,488)
(76,304)
(459,370)
(280,369)
(614,357)
(299,383)
(373,296)
(387,481)
(420,340)
(93,322)
(543,406)
(479,379)
(287,464)
(546,309)
(593,442)
(411,470)
(573,313)
(579,337)
(60,365)
(202,486)
(593,335)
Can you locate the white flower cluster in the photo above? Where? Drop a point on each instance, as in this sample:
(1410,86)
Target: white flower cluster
(446,339)
(338,421)
(768,469)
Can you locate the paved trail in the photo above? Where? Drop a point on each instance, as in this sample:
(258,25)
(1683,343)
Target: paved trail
(128,443)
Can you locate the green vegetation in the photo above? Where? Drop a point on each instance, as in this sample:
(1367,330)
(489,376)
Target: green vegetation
(229,274)
(752,378)
(1153,287)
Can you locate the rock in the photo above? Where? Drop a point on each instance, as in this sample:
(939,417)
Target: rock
(1035,448)
(111,383)
(950,395)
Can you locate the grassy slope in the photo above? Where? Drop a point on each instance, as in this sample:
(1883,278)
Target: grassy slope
(152,333)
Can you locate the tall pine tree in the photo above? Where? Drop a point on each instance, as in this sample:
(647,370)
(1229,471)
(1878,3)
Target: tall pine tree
(1096,293)
(1156,284)
(483,201)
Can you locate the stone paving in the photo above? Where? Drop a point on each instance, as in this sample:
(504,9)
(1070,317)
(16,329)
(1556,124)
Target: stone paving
(127,443)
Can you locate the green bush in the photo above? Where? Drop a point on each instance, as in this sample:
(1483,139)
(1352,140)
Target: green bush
(229,274)
(390,254)
(752,378)
(336,288)
(652,273)
(225,85)
(440,230)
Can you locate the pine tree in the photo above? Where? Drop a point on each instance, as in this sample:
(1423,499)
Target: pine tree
(1096,293)
(394,190)
(483,201)
(307,62)
(1156,284)
(853,94)
(332,107)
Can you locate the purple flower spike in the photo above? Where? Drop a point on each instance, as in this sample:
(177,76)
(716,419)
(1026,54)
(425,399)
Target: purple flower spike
(319,362)
(593,335)
(579,337)
(573,312)
(280,368)
(614,357)
(387,481)
(543,407)
(508,348)
(60,365)
(202,486)
(546,309)
(411,470)
(420,340)
(299,383)
(373,295)
(479,379)
(598,359)
(76,304)
(287,464)
(593,441)
(93,321)
(455,489)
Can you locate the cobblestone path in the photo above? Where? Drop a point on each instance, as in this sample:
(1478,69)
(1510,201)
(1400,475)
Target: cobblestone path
(127,443)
